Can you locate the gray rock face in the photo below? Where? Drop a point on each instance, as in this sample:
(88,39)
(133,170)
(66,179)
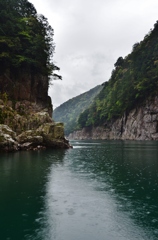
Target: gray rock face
(28,87)
(140,124)
(7,139)
(29,127)
(47,135)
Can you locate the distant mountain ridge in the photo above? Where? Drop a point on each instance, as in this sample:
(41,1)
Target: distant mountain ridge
(69,111)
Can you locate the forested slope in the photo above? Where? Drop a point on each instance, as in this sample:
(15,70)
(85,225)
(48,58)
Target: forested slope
(133,80)
(26,39)
(69,111)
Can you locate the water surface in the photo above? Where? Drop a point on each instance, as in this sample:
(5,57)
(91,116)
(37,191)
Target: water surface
(98,190)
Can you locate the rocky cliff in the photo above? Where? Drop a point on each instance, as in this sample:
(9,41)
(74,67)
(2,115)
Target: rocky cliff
(26,86)
(25,115)
(26,68)
(141,123)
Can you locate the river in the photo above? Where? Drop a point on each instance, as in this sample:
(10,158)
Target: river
(99,190)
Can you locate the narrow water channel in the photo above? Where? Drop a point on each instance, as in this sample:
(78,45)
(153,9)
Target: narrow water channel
(99,190)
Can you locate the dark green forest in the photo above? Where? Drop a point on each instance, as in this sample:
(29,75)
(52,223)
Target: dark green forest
(26,40)
(133,80)
(69,111)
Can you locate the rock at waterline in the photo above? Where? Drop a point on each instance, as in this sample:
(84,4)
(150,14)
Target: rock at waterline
(8,140)
(47,135)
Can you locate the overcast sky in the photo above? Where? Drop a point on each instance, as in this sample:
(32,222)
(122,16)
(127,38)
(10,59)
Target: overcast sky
(90,35)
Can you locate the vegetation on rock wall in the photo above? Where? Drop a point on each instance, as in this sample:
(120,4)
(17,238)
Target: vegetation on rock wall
(134,79)
(69,111)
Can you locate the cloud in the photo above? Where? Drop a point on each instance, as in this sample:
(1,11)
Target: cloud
(90,36)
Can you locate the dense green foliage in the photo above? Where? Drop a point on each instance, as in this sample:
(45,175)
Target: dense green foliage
(69,111)
(26,39)
(133,80)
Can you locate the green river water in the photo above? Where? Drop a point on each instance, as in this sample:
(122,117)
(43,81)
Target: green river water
(99,190)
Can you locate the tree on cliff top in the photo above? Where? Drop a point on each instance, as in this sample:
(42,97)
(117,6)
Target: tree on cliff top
(26,39)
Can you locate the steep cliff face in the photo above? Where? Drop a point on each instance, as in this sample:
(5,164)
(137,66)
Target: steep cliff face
(140,124)
(28,87)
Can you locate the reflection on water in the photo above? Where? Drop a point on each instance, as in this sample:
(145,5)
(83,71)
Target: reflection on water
(22,188)
(97,190)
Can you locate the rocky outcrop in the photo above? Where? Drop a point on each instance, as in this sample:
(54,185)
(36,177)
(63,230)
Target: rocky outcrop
(47,135)
(139,124)
(27,125)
